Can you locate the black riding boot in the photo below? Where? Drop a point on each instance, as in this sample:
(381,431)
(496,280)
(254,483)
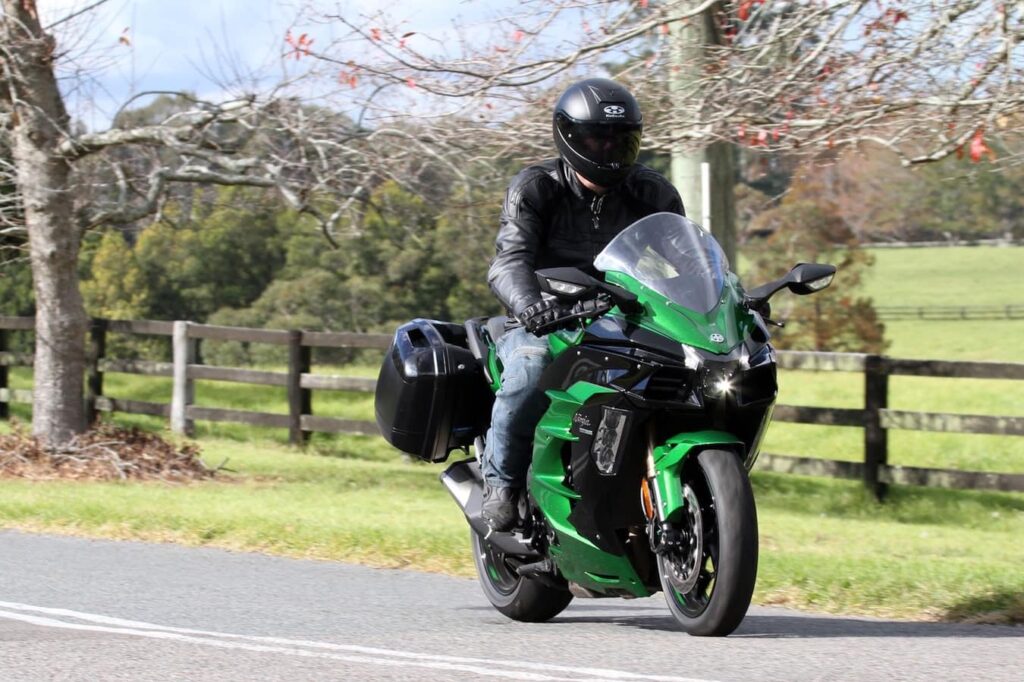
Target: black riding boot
(501,507)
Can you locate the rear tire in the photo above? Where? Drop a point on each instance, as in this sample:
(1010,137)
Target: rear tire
(523,599)
(719,584)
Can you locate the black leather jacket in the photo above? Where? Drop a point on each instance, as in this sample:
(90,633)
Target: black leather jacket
(551,220)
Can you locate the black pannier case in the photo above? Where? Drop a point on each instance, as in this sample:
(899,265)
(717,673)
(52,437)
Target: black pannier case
(432,396)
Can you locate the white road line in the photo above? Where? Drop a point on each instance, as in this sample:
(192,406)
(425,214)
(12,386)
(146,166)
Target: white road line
(263,648)
(369,655)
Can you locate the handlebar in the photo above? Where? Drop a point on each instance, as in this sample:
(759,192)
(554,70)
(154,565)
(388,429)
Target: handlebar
(591,308)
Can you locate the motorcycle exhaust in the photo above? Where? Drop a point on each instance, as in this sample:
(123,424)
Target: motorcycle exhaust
(465,483)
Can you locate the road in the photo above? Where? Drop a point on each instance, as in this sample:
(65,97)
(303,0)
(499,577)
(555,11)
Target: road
(76,609)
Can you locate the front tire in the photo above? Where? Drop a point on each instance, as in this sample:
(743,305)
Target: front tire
(523,599)
(708,582)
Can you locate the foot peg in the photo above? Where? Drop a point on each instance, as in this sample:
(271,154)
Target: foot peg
(537,568)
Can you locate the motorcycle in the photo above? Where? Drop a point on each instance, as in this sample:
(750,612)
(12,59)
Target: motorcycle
(661,387)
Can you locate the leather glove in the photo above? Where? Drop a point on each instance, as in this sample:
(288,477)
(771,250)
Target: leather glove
(540,314)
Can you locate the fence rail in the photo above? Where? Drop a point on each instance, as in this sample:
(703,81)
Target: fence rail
(875,417)
(949,312)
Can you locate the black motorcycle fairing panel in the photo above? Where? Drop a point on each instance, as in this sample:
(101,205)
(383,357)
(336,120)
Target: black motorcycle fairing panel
(608,501)
(613,329)
(581,364)
(649,383)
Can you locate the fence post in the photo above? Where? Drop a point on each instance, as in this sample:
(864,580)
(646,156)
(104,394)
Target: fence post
(300,400)
(94,380)
(5,406)
(876,441)
(183,391)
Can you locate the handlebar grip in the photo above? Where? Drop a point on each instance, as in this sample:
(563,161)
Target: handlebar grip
(594,307)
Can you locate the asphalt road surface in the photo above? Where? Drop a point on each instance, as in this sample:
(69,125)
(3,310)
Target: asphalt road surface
(74,609)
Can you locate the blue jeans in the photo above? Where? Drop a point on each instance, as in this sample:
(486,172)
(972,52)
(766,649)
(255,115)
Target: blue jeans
(518,406)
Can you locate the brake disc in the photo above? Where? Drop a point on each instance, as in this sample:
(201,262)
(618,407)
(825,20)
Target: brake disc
(684,564)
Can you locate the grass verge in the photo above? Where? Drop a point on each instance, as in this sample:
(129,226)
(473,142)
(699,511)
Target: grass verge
(926,554)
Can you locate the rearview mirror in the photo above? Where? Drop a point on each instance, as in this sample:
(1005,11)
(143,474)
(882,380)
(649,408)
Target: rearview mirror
(567,284)
(807,278)
(572,284)
(803,279)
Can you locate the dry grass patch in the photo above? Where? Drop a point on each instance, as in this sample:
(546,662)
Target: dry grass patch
(106,453)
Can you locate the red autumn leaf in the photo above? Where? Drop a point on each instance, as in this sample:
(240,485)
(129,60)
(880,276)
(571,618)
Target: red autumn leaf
(348,78)
(743,12)
(979,148)
(300,45)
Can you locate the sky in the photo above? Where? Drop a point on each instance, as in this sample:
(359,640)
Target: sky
(124,47)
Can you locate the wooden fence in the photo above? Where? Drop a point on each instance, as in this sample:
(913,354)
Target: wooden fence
(875,417)
(184,370)
(951,312)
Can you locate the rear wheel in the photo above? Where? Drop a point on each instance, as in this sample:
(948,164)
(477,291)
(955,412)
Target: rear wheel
(708,577)
(523,599)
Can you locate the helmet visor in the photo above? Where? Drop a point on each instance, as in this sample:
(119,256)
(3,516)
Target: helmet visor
(604,144)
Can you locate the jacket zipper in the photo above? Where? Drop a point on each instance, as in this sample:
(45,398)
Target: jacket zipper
(595,208)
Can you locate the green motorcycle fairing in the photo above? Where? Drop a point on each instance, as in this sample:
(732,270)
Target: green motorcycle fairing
(719,335)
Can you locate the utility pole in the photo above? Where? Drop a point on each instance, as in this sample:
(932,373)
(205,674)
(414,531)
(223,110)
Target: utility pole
(690,40)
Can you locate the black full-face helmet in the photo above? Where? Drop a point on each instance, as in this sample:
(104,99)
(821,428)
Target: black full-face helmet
(597,128)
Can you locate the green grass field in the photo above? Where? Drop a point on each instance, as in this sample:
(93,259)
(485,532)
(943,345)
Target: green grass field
(931,276)
(825,545)
(954,276)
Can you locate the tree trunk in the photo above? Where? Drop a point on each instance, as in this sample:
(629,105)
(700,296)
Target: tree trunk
(40,120)
(689,41)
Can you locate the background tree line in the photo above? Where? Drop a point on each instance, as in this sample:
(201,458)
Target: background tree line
(420,247)
(242,256)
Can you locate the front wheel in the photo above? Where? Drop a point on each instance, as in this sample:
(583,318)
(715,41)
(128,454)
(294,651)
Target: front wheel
(708,575)
(519,598)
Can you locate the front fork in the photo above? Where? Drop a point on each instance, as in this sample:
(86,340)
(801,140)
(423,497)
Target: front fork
(660,533)
(664,480)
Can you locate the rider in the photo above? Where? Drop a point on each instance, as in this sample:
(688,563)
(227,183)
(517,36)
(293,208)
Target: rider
(560,212)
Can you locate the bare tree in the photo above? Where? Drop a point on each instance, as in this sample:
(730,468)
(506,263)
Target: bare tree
(67,181)
(922,78)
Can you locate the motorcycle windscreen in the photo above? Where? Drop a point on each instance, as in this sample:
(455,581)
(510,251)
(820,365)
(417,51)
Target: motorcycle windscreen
(671,255)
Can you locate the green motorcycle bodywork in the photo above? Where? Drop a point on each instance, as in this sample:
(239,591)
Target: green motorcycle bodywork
(578,559)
